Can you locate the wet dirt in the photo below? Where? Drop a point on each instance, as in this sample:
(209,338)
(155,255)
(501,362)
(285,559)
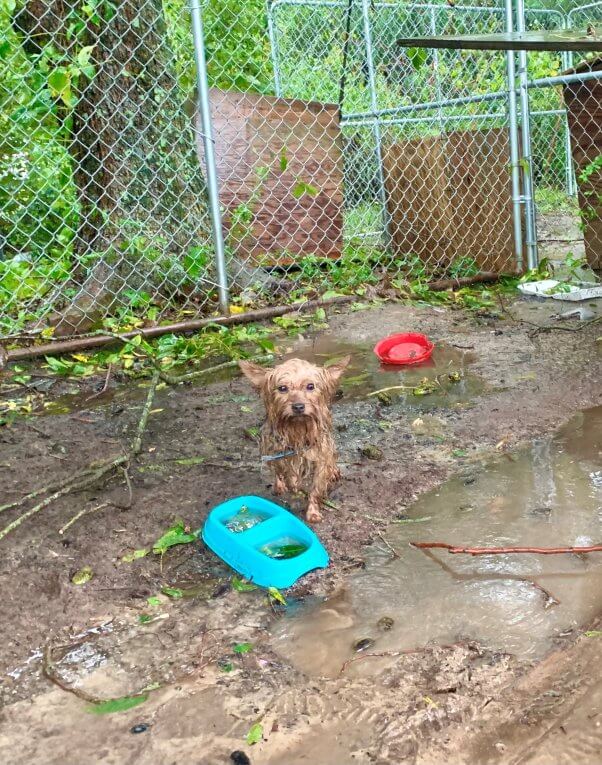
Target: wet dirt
(197,454)
(549,492)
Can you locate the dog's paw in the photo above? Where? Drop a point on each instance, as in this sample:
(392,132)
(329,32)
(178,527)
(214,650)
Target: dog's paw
(313,515)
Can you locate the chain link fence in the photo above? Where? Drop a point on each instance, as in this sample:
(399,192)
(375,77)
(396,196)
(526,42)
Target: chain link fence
(152,168)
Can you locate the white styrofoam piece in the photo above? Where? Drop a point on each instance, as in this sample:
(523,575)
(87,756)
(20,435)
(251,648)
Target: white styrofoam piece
(574,294)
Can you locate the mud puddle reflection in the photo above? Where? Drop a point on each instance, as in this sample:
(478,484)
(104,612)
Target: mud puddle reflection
(549,495)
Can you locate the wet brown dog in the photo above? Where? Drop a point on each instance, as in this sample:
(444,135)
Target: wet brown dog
(297,396)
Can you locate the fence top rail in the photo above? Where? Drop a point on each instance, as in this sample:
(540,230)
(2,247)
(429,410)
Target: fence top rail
(417,6)
(565,40)
(581,8)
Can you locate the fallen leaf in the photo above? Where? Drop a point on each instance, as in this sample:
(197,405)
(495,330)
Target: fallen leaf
(172,592)
(176,535)
(242,648)
(241,585)
(82,576)
(117,705)
(255,734)
(135,555)
(276,595)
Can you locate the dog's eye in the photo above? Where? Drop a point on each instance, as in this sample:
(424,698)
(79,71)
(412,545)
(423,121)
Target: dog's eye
(282,389)
(310,386)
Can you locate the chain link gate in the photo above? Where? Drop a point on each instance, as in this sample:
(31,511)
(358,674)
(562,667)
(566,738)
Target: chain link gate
(330,156)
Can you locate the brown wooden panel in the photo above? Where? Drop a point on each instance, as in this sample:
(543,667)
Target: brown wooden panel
(253,132)
(449,196)
(584,108)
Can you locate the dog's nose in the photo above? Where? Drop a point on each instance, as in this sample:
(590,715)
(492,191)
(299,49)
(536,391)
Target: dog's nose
(298,408)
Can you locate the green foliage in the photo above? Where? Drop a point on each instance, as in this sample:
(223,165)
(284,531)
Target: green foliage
(176,535)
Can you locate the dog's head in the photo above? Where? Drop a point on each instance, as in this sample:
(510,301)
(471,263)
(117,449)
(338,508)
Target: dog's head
(295,389)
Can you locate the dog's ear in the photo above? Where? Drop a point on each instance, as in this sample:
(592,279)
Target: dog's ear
(335,371)
(253,372)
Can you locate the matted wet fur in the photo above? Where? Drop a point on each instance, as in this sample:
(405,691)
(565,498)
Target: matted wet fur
(297,396)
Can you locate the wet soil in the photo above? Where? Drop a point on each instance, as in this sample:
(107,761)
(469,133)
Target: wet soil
(454,702)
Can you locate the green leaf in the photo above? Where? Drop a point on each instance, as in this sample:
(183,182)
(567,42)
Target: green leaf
(176,535)
(255,734)
(301,188)
(83,57)
(82,576)
(117,705)
(58,366)
(283,161)
(459,453)
(144,618)
(593,633)
(242,648)
(240,585)
(172,592)
(276,595)
(59,83)
(227,667)
(135,554)
(418,57)
(153,601)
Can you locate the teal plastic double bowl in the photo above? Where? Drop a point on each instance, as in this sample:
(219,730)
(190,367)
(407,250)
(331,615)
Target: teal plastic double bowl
(263,542)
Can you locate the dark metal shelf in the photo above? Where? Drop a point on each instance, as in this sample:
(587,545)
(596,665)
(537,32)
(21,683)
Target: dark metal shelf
(561,40)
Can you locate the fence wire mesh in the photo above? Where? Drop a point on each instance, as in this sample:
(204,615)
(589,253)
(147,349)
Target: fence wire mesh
(343,159)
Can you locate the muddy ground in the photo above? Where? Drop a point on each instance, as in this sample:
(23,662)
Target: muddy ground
(459,703)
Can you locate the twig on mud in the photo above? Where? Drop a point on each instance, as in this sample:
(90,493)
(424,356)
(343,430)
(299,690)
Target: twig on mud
(104,387)
(403,652)
(86,477)
(458,550)
(175,379)
(550,600)
(137,442)
(67,488)
(384,541)
(77,516)
(392,387)
(50,672)
(128,482)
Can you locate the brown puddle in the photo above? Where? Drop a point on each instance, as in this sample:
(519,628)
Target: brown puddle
(549,495)
(366,374)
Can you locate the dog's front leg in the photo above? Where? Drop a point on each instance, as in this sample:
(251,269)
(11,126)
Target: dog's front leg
(322,478)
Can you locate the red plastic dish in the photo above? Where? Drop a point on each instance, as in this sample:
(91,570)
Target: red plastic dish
(406,348)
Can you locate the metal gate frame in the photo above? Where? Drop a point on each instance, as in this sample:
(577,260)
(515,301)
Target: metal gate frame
(515,98)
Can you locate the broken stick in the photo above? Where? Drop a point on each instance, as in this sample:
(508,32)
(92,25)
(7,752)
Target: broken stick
(457,550)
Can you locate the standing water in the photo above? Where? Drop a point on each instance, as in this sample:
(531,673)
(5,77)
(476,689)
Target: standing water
(547,496)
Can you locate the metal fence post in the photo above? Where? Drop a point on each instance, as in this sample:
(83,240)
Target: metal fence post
(513,138)
(376,127)
(208,143)
(569,169)
(274,52)
(527,155)
(436,75)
